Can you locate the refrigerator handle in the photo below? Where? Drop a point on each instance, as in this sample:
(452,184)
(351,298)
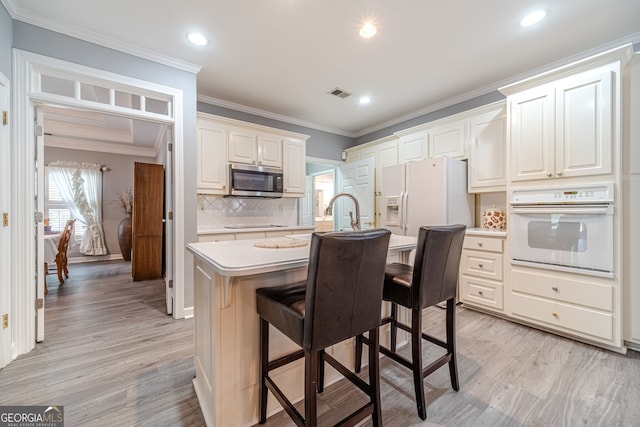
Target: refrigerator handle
(404,204)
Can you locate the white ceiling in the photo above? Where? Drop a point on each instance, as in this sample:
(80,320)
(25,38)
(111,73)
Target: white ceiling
(279,58)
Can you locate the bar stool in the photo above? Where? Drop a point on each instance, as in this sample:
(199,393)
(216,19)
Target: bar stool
(432,279)
(340,299)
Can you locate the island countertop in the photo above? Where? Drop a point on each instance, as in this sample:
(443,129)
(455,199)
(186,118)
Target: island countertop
(241,257)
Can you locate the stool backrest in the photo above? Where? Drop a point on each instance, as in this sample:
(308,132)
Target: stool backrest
(344,285)
(436,266)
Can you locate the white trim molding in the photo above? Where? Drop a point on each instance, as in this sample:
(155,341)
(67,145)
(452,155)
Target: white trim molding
(27,70)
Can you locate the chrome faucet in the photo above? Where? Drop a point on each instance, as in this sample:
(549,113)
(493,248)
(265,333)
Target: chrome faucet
(355,224)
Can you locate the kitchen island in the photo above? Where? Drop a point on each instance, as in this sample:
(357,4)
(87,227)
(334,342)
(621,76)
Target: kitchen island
(226,275)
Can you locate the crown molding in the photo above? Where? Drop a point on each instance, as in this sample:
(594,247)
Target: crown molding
(96,38)
(269,115)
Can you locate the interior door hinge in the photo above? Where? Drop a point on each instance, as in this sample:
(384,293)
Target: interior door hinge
(5,321)
(170,215)
(169,147)
(38,217)
(39,131)
(5,118)
(39,303)
(171,284)
(5,219)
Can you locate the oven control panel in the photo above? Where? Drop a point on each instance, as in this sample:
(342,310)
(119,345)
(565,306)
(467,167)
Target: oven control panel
(596,193)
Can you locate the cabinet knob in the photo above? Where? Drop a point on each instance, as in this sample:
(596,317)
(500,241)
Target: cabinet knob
(559,173)
(480,293)
(554,288)
(554,314)
(480,244)
(549,174)
(481,265)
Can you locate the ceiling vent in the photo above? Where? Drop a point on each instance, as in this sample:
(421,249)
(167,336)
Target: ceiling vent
(339,93)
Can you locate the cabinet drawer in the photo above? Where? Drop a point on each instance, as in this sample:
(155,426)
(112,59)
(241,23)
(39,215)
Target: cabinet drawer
(574,291)
(483,264)
(482,292)
(483,243)
(573,319)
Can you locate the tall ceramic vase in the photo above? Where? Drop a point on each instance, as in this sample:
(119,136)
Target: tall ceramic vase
(124,236)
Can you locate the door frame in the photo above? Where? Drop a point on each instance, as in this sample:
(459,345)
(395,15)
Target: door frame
(5,231)
(27,68)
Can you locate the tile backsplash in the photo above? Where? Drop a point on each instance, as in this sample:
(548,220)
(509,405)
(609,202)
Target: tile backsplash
(217,212)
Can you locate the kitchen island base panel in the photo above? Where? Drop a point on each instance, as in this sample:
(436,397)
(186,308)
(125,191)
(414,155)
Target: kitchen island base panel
(227,348)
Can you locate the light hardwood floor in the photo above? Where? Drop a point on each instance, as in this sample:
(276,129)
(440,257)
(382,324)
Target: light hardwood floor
(113,357)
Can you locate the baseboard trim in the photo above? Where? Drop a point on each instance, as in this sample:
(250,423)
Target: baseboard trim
(84,259)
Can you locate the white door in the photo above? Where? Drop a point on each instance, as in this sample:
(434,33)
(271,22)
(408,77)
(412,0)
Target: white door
(39,192)
(307,202)
(356,178)
(5,238)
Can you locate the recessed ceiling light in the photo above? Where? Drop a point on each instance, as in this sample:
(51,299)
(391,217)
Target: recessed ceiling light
(198,39)
(365,99)
(533,18)
(368,30)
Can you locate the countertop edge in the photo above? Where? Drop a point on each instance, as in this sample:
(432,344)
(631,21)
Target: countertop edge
(487,232)
(222,230)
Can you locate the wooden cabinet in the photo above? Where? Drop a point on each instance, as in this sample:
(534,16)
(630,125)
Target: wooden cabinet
(482,272)
(487,169)
(564,128)
(212,173)
(570,303)
(294,167)
(246,146)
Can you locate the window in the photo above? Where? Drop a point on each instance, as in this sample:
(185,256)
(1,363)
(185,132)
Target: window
(55,209)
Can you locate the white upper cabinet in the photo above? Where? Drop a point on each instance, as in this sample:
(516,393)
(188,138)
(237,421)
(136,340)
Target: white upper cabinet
(449,139)
(413,146)
(584,124)
(247,146)
(294,169)
(487,150)
(269,149)
(221,141)
(212,171)
(565,123)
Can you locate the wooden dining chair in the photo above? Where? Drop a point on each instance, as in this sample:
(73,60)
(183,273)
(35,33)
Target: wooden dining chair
(61,256)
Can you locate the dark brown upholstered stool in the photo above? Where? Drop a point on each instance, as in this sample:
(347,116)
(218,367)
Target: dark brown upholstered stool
(432,279)
(341,298)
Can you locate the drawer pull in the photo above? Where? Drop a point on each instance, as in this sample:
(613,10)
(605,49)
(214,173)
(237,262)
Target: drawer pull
(554,314)
(480,244)
(480,265)
(480,293)
(554,288)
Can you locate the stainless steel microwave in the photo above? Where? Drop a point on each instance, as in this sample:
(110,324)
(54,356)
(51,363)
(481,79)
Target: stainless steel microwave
(255,181)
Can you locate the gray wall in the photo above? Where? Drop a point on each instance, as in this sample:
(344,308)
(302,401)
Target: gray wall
(41,41)
(6,41)
(118,179)
(324,145)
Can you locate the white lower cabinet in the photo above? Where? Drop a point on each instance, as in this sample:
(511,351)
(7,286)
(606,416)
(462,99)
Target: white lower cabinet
(481,273)
(573,304)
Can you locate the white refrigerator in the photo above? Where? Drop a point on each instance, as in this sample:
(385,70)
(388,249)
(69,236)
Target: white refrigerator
(426,192)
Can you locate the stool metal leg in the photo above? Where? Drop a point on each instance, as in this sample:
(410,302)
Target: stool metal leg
(310,387)
(394,326)
(416,359)
(264,368)
(374,376)
(451,343)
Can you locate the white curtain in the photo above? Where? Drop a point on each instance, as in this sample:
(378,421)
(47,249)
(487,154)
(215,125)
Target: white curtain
(80,186)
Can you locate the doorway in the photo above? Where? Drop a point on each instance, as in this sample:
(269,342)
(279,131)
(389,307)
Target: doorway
(118,95)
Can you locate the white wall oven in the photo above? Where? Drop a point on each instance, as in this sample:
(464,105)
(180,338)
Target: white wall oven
(567,228)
